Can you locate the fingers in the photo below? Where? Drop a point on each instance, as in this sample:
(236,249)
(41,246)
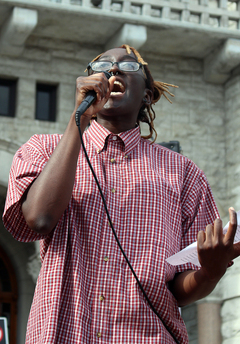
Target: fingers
(229,236)
(216,250)
(111,84)
(96,82)
(213,236)
(209,234)
(214,233)
(218,231)
(201,239)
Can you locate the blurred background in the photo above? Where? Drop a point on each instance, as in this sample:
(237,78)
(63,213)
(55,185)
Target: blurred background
(195,44)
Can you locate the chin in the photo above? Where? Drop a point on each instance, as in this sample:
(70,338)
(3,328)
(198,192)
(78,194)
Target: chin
(107,106)
(111,105)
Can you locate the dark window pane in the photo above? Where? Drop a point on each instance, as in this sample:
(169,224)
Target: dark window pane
(5,283)
(43,101)
(46,102)
(8,295)
(7,97)
(5,311)
(4,100)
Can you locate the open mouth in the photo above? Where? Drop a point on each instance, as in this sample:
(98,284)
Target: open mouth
(118,88)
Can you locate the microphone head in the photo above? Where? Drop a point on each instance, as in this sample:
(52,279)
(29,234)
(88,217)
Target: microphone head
(107,74)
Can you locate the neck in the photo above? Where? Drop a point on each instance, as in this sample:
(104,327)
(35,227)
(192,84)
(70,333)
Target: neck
(116,125)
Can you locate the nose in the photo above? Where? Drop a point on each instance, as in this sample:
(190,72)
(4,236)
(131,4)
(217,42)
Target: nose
(114,69)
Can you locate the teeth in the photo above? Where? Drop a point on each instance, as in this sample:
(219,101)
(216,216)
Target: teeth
(119,84)
(113,93)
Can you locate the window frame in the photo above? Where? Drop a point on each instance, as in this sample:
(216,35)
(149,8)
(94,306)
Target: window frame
(10,297)
(51,89)
(12,84)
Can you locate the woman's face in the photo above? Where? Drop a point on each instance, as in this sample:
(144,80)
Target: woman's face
(129,89)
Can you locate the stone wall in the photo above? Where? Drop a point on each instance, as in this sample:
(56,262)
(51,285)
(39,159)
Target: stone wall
(196,118)
(230,284)
(19,254)
(230,311)
(232,104)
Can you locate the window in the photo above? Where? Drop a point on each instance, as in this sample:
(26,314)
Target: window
(46,98)
(213,3)
(156,11)
(175,15)
(214,21)
(7,97)
(76,2)
(116,6)
(194,18)
(232,5)
(233,24)
(8,295)
(136,9)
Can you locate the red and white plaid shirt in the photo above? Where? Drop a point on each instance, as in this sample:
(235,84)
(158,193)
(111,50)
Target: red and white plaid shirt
(158,201)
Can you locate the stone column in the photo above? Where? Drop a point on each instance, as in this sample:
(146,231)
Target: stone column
(230,311)
(209,323)
(232,107)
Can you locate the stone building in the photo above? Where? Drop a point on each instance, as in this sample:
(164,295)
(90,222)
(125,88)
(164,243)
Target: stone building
(195,44)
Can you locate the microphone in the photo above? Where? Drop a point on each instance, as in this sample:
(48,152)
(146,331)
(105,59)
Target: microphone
(87,102)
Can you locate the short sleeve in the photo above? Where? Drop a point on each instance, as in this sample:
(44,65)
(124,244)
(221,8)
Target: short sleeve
(198,208)
(27,164)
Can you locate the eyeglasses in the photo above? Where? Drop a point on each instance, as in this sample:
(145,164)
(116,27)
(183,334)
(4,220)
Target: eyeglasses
(105,66)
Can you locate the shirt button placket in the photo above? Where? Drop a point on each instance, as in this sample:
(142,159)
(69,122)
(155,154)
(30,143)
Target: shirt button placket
(105,258)
(101,298)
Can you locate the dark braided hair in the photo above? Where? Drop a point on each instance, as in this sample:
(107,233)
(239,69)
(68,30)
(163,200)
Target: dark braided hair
(158,88)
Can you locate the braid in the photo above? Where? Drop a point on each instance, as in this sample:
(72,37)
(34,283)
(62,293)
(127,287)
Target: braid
(161,88)
(158,88)
(147,116)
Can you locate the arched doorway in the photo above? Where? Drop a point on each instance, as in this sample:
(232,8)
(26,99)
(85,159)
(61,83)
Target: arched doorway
(8,295)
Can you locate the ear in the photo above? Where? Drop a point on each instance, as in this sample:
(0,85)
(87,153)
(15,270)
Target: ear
(148,97)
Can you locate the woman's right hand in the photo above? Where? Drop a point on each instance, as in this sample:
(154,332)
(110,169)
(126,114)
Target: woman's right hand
(100,84)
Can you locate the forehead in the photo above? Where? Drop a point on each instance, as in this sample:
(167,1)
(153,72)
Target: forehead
(117,53)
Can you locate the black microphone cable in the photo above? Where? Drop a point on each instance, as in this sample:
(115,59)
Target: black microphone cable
(86,103)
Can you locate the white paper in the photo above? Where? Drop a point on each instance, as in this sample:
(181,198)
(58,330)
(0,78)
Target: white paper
(189,254)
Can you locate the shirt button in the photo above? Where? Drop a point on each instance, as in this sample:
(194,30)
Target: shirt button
(125,156)
(101,298)
(106,259)
(112,160)
(99,334)
(98,151)
(114,138)
(113,190)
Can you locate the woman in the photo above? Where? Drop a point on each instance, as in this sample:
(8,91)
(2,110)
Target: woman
(159,202)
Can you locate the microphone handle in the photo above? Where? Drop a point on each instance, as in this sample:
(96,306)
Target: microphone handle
(87,102)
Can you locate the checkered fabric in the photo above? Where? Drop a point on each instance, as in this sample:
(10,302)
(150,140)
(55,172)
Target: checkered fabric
(158,201)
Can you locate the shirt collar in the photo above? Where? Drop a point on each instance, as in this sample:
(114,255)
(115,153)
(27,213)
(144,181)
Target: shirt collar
(98,135)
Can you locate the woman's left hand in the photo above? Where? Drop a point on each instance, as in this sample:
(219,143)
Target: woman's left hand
(216,250)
